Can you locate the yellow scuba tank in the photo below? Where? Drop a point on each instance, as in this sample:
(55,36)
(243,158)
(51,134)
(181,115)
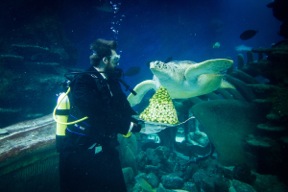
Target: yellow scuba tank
(62,113)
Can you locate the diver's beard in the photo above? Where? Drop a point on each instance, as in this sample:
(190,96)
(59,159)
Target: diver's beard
(113,72)
(109,70)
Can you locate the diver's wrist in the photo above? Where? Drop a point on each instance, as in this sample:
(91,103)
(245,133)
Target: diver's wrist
(134,127)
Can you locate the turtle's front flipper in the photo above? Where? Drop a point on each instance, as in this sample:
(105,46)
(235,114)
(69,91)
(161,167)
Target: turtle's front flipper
(141,89)
(211,66)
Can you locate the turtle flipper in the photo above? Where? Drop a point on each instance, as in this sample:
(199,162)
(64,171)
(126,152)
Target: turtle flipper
(207,83)
(211,66)
(141,89)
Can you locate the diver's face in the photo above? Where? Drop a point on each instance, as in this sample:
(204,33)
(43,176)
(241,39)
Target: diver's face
(93,59)
(113,60)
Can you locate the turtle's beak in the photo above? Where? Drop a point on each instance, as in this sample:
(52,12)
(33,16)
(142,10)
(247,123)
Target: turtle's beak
(152,64)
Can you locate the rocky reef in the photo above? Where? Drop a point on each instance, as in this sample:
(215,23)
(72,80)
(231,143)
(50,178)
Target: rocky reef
(33,58)
(29,82)
(28,157)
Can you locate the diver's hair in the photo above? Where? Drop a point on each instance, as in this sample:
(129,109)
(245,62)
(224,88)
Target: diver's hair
(102,48)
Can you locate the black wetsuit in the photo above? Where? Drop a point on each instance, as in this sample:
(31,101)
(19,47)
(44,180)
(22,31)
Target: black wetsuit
(103,101)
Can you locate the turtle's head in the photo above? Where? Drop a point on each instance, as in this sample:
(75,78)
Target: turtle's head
(159,68)
(157,65)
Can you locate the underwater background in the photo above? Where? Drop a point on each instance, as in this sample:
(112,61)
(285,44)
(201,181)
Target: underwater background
(157,30)
(60,33)
(40,41)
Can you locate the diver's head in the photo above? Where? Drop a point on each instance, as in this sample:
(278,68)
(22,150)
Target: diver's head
(104,54)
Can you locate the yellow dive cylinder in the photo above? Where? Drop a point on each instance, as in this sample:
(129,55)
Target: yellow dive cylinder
(62,113)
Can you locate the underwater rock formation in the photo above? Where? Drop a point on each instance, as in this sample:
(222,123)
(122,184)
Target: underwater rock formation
(160,169)
(28,156)
(227,123)
(34,54)
(128,151)
(279,8)
(260,131)
(32,78)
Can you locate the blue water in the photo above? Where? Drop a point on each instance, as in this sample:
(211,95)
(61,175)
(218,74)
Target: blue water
(183,29)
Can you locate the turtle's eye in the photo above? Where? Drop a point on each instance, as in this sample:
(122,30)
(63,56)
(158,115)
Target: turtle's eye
(161,65)
(158,64)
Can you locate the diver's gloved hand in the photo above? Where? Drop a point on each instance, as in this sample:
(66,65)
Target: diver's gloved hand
(135,127)
(150,128)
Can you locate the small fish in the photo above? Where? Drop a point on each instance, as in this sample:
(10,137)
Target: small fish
(248,34)
(132,71)
(216,45)
(243,48)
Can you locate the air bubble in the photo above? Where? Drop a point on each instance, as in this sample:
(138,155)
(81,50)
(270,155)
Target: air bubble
(117,19)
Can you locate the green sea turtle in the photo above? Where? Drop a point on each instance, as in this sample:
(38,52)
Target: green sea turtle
(183,79)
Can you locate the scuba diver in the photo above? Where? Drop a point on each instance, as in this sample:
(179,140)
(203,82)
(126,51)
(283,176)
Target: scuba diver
(88,159)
